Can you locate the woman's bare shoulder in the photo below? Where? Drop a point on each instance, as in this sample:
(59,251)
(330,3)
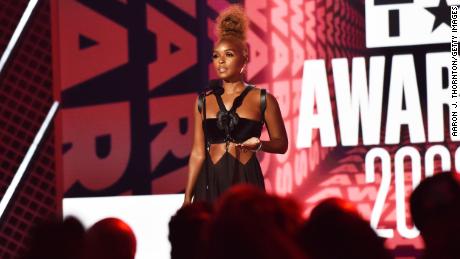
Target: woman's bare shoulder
(256,94)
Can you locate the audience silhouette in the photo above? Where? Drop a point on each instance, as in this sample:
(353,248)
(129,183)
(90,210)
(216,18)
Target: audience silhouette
(56,239)
(435,209)
(336,230)
(110,238)
(247,223)
(187,231)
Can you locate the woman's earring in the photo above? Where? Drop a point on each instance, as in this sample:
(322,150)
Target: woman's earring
(242,69)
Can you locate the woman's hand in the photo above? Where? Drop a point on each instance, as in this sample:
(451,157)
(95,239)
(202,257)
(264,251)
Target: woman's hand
(251,144)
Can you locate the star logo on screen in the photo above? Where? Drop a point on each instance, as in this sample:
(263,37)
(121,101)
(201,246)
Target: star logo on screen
(391,23)
(441,13)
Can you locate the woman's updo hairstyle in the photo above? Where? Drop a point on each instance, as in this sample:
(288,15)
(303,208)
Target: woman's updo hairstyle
(232,24)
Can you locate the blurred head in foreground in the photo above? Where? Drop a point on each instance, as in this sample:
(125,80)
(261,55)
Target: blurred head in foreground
(249,223)
(187,231)
(336,230)
(435,209)
(110,238)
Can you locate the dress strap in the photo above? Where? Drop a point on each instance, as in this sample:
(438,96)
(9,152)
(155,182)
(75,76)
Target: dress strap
(200,102)
(263,103)
(239,99)
(220,102)
(202,106)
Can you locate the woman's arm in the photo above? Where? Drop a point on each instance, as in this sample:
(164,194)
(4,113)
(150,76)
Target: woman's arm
(197,155)
(278,142)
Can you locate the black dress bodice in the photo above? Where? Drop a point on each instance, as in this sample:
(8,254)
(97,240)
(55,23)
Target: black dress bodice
(228,126)
(245,129)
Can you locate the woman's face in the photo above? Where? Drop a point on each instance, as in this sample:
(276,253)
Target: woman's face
(228,60)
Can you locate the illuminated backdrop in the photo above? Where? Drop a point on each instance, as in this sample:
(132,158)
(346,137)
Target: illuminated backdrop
(129,73)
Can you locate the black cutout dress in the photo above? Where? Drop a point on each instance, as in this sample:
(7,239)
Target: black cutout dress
(216,178)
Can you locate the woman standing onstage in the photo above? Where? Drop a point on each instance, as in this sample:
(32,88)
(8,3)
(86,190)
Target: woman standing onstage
(229,119)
